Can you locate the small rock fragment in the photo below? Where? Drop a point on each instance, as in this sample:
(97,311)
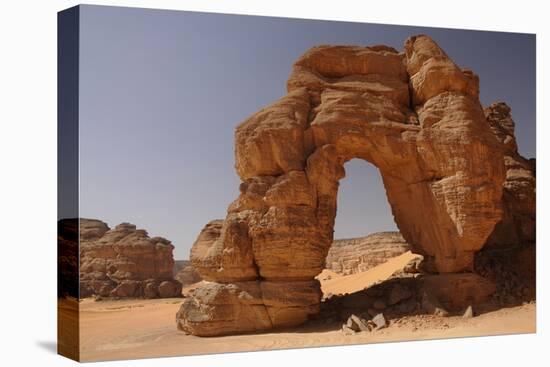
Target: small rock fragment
(379,321)
(468,313)
(347,330)
(357,324)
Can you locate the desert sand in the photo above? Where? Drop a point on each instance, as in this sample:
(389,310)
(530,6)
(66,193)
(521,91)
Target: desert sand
(334,283)
(140,328)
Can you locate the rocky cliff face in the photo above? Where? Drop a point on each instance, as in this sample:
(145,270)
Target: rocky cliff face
(519,198)
(509,257)
(415,115)
(354,255)
(125,262)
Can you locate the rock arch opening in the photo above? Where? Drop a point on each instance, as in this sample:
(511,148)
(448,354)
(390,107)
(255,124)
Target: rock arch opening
(415,115)
(365,232)
(362,206)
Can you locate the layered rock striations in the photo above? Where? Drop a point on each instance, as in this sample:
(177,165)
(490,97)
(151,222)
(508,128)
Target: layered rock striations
(509,257)
(415,115)
(125,262)
(354,255)
(519,199)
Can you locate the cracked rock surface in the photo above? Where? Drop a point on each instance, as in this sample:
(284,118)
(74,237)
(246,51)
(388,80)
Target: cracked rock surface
(124,262)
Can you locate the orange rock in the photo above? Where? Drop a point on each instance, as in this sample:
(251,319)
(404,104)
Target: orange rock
(260,138)
(125,262)
(223,251)
(414,115)
(518,223)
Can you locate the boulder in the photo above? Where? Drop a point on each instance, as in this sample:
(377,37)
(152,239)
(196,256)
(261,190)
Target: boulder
(124,262)
(218,309)
(379,321)
(150,289)
(357,324)
(127,288)
(169,288)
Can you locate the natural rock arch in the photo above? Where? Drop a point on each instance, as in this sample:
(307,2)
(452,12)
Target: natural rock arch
(415,115)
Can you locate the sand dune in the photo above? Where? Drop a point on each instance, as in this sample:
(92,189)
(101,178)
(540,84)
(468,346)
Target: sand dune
(338,284)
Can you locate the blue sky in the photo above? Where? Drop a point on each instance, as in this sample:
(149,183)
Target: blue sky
(162,91)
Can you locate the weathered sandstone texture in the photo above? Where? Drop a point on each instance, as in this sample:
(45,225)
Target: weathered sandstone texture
(509,257)
(519,198)
(415,115)
(354,255)
(125,262)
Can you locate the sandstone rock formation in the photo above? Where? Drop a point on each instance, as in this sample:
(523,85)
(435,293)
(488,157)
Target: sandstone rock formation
(125,262)
(509,257)
(415,115)
(354,255)
(185,273)
(518,222)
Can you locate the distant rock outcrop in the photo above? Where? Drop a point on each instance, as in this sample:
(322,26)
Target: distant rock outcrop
(354,255)
(125,262)
(185,273)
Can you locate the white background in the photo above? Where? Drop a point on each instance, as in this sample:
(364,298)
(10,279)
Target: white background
(28,181)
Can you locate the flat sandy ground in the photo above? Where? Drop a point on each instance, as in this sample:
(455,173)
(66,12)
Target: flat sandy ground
(146,328)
